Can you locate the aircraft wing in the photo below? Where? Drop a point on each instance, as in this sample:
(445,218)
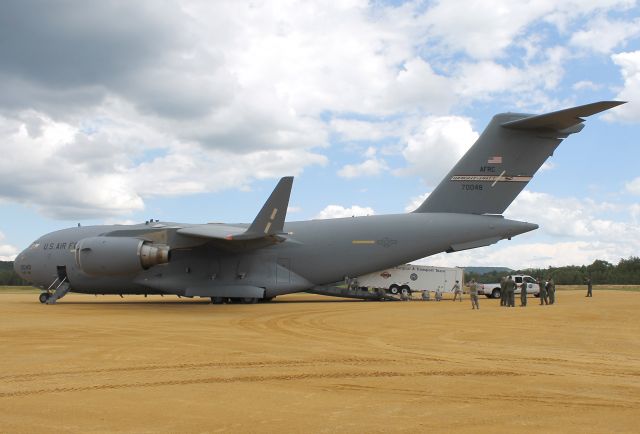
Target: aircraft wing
(213,231)
(267,227)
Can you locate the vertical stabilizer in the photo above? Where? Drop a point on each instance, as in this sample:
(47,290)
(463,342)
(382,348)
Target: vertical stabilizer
(270,219)
(504,159)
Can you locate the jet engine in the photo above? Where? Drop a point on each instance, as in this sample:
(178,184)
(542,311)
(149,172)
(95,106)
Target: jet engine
(118,255)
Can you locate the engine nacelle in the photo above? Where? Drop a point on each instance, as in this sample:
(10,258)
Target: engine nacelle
(118,255)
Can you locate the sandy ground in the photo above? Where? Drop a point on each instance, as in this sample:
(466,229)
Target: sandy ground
(311,364)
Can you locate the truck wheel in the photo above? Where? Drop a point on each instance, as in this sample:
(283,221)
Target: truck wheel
(393,289)
(495,293)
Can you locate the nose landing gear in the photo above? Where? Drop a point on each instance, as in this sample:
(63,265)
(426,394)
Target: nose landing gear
(44,297)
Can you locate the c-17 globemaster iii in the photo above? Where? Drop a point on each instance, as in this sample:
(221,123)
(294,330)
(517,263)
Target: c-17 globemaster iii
(270,257)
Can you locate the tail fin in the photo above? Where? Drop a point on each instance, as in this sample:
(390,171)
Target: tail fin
(504,159)
(270,219)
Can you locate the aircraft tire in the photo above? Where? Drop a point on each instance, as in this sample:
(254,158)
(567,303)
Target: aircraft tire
(43,297)
(217,300)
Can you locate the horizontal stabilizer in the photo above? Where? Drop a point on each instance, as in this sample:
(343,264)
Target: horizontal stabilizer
(562,119)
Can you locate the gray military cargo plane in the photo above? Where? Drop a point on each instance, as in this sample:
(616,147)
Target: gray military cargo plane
(258,261)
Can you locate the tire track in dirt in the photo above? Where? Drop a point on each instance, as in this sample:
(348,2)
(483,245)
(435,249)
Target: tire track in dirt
(187,366)
(256,379)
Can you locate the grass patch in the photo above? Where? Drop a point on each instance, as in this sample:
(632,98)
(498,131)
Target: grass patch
(18,290)
(635,288)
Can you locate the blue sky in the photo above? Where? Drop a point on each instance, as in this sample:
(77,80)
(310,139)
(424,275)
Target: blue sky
(119,112)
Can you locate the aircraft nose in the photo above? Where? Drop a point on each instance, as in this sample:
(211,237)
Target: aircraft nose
(18,262)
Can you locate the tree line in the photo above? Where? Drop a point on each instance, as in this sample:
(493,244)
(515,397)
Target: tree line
(626,272)
(8,277)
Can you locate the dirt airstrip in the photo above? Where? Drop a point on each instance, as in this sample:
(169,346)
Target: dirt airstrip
(305,363)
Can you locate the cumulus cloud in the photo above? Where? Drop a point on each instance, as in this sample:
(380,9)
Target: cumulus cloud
(436,145)
(629,64)
(338,211)
(7,251)
(100,170)
(106,105)
(416,202)
(603,35)
(372,166)
(633,186)
(532,255)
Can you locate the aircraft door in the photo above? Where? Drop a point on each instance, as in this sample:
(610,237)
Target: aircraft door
(62,272)
(283,274)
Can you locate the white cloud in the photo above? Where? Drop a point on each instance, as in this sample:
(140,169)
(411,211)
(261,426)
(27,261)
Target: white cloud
(572,232)
(7,251)
(338,211)
(372,166)
(533,255)
(98,170)
(633,186)
(204,98)
(629,64)
(436,145)
(603,35)
(416,202)
(586,85)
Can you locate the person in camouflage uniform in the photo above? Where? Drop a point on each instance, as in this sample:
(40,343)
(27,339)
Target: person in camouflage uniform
(457,291)
(589,287)
(503,291)
(473,294)
(551,290)
(510,288)
(543,292)
(523,294)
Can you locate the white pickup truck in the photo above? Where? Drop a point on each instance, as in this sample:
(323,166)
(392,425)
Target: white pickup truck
(492,290)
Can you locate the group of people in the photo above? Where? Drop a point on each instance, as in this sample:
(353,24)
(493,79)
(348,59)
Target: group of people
(507,292)
(508,287)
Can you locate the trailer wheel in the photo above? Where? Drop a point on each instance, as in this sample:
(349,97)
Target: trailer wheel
(405,289)
(393,289)
(495,293)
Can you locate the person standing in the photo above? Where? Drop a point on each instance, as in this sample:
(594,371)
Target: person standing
(438,294)
(543,292)
(551,290)
(503,291)
(457,291)
(473,294)
(523,294)
(589,287)
(510,288)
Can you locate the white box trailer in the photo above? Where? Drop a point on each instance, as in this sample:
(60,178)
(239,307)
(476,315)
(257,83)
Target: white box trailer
(409,277)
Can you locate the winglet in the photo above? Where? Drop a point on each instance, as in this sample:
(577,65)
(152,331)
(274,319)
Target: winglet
(562,119)
(270,219)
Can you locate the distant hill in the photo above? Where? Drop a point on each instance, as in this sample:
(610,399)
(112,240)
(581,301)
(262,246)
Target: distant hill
(485,270)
